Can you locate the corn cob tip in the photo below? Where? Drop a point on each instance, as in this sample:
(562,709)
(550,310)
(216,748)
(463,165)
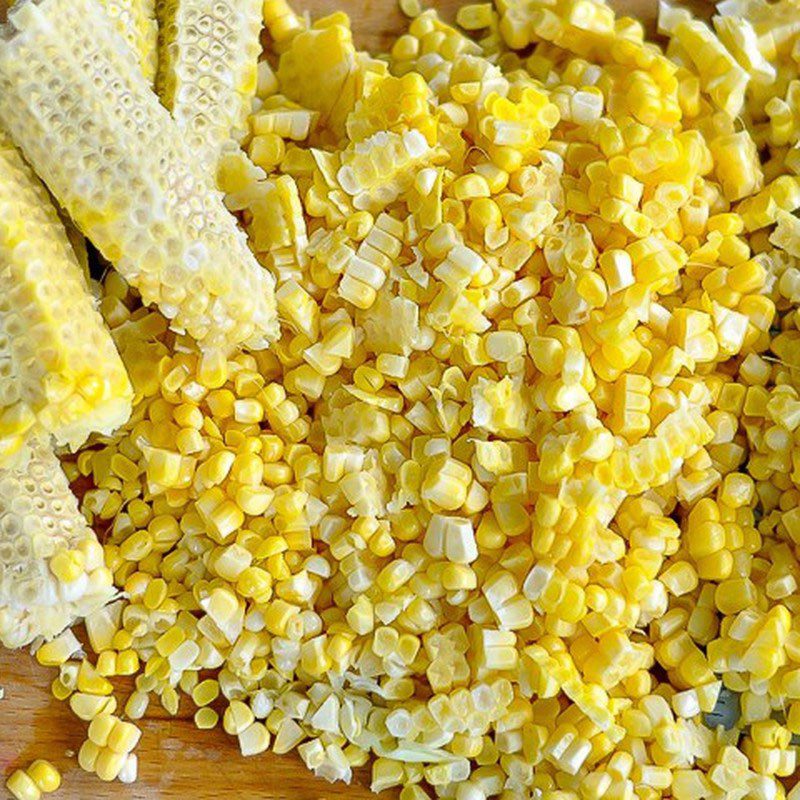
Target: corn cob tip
(52,569)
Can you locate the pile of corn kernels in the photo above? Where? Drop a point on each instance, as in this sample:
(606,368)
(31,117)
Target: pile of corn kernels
(511,509)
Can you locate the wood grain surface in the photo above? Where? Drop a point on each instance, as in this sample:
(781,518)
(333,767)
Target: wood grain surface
(175,759)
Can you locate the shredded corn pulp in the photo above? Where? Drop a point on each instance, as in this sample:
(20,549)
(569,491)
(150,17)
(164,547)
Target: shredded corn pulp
(511,507)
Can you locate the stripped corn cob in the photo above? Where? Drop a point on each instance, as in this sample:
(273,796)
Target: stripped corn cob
(208,68)
(59,369)
(51,564)
(136,20)
(73,97)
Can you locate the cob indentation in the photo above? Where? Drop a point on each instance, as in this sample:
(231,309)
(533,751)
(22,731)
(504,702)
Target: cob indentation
(73,97)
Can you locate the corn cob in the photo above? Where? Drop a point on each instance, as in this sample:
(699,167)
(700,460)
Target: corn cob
(136,21)
(59,369)
(51,564)
(208,58)
(74,99)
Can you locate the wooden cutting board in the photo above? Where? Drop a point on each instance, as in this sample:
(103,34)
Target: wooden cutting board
(175,759)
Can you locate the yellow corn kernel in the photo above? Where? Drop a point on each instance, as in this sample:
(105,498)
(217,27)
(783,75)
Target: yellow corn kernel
(58,650)
(108,764)
(205,692)
(475,16)
(67,565)
(46,777)
(88,706)
(107,663)
(237,717)
(22,786)
(254,739)
(123,737)
(100,728)
(87,755)
(136,705)
(90,682)
(267,150)
(206,718)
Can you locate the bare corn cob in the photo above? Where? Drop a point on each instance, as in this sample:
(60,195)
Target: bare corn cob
(59,369)
(74,99)
(136,20)
(208,59)
(51,564)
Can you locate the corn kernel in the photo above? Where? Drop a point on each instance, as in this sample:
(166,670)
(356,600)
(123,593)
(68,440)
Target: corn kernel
(46,777)
(22,786)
